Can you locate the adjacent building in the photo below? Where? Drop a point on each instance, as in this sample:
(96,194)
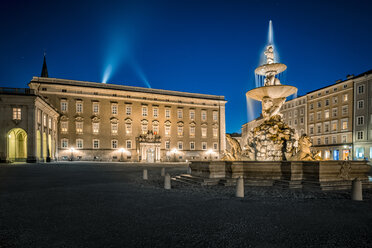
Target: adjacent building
(122,123)
(295,114)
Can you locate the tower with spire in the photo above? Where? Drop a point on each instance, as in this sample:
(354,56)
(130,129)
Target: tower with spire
(44,70)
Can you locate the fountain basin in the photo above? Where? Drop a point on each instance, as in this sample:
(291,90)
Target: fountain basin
(272,91)
(276,68)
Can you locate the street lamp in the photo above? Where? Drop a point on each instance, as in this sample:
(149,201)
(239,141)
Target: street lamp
(174,151)
(72,153)
(121,150)
(209,152)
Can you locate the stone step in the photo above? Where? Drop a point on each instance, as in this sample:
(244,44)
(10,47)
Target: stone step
(178,179)
(197,180)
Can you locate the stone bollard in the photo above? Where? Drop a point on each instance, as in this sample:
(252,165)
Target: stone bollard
(356,190)
(167,181)
(162,173)
(189,170)
(145,174)
(240,187)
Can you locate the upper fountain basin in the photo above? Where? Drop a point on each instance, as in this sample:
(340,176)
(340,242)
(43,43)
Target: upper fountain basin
(272,91)
(276,68)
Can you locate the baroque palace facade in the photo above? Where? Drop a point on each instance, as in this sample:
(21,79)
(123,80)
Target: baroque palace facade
(337,118)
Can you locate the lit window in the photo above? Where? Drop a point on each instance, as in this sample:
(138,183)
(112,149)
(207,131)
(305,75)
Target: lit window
(64,143)
(192,131)
(114,144)
(64,106)
(167,145)
(128,128)
(344,125)
(38,116)
(95,107)
(144,128)
(114,128)
(179,113)
(17,114)
(128,110)
(204,145)
(192,145)
(50,123)
(215,132)
(129,144)
(334,126)
(155,112)
(180,131)
(192,114)
(114,109)
(64,126)
(215,115)
(95,127)
(79,107)
(326,113)
(204,131)
(167,131)
(155,128)
(44,120)
(79,127)
(167,113)
(180,145)
(79,143)
(144,110)
(204,115)
(95,144)
(345,97)
(359,152)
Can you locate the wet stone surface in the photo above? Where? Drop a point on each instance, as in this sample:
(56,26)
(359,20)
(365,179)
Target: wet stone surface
(110,205)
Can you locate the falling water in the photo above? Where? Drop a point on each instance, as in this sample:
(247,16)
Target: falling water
(250,109)
(270,35)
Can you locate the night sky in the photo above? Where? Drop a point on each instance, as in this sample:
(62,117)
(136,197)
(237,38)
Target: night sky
(209,47)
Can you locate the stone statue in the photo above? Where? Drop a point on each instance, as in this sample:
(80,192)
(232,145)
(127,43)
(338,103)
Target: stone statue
(271,79)
(304,152)
(235,152)
(269,53)
(271,107)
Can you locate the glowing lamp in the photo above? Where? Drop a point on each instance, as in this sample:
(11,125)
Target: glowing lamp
(174,150)
(122,150)
(72,149)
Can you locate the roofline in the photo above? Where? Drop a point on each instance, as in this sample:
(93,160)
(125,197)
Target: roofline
(59,81)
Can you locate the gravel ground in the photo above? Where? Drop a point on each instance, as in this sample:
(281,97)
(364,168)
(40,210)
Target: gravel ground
(109,205)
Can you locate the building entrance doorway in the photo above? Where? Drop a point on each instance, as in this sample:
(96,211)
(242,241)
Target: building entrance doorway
(150,155)
(17,145)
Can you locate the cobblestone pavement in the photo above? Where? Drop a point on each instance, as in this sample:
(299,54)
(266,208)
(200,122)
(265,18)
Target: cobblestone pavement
(109,205)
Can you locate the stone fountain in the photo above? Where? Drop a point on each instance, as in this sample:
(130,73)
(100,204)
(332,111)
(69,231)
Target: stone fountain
(274,154)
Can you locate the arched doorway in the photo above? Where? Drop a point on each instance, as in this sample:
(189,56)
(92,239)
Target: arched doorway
(17,145)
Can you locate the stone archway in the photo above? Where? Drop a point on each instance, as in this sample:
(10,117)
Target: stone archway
(17,145)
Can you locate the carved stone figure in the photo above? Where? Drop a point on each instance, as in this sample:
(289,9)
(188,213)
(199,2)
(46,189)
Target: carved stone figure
(269,53)
(235,152)
(304,152)
(271,107)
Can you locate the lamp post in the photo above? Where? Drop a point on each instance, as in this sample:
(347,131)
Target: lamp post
(209,152)
(122,150)
(72,153)
(174,151)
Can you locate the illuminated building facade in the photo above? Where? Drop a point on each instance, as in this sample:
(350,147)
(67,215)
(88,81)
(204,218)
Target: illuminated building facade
(106,122)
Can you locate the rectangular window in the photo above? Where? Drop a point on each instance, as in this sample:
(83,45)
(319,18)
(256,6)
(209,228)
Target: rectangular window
(192,114)
(326,140)
(344,138)
(360,104)
(326,114)
(17,114)
(95,107)
(129,144)
(215,115)
(64,106)
(302,111)
(215,146)
(95,144)
(144,110)
(79,144)
(167,131)
(155,112)
(167,144)
(318,141)
(326,127)
(302,120)
(64,143)
(360,120)
(38,116)
(204,131)
(311,130)
(50,123)
(79,107)
(345,110)
(180,145)
(204,115)
(192,145)
(114,128)
(128,128)
(95,126)
(167,113)
(311,117)
(311,106)
(155,128)
(344,124)
(319,104)
(360,135)
(128,109)
(318,128)
(327,102)
(179,113)
(334,126)
(114,109)
(144,128)
(64,126)
(44,120)
(319,116)
(204,145)
(334,139)
(215,132)
(359,152)
(360,89)
(296,113)
(192,131)
(334,112)
(345,97)
(180,131)
(335,99)
(114,144)
(79,127)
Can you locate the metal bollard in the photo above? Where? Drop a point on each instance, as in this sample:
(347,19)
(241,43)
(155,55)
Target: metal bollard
(167,181)
(145,177)
(162,173)
(356,190)
(240,187)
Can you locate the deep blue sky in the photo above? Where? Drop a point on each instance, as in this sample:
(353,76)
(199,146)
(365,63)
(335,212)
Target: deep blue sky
(207,47)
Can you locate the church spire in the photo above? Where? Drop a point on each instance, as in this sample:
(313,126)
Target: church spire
(44,71)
